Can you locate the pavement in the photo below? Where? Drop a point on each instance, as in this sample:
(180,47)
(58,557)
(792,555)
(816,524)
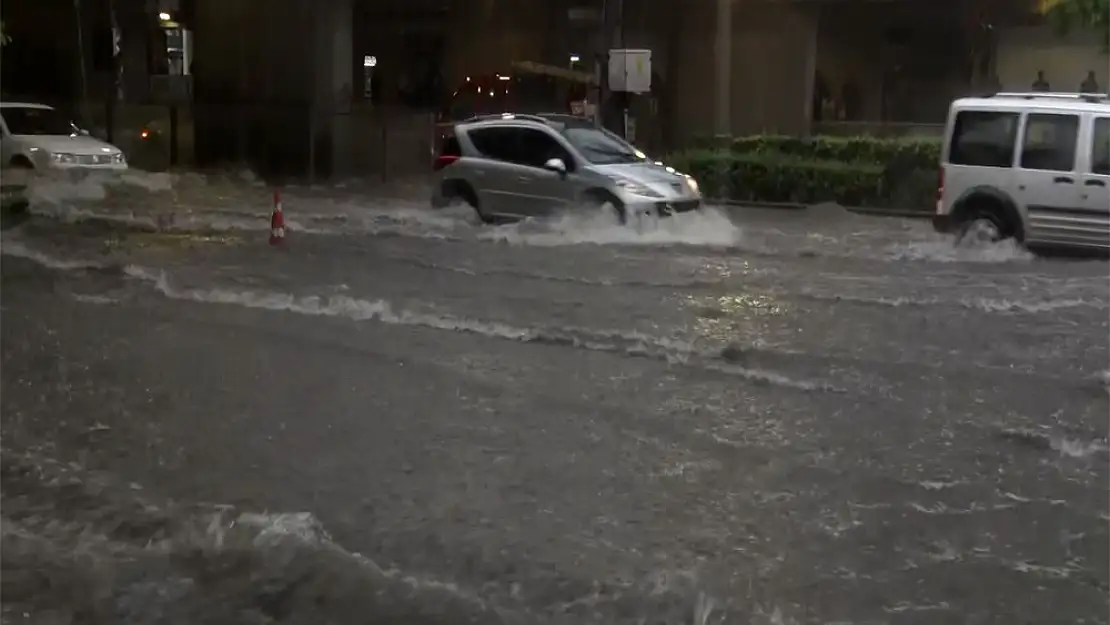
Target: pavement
(401,416)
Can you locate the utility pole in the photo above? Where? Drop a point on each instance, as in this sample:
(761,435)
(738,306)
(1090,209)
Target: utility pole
(610,105)
(722,126)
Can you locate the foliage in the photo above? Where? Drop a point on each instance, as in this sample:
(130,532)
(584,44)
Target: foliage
(908,152)
(1069,15)
(852,171)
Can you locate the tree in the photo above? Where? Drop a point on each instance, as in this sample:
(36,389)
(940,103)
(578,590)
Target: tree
(1070,15)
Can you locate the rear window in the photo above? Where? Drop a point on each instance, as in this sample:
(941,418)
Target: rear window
(450,147)
(983,139)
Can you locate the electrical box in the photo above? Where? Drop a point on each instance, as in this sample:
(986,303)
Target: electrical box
(630,70)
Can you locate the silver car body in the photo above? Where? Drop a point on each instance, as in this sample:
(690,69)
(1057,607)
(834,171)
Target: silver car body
(1041,160)
(570,164)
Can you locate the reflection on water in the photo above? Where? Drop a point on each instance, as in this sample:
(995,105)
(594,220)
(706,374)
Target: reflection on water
(727,317)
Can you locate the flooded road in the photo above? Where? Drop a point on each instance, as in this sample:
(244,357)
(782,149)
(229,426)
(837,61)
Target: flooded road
(739,416)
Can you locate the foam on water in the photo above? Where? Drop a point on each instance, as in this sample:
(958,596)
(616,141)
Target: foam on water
(707,227)
(630,343)
(945,250)
(983,304)
(674,351)
(77,542)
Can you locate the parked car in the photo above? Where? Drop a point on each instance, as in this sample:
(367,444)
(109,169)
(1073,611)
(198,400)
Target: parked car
(1033,167)
(531,165)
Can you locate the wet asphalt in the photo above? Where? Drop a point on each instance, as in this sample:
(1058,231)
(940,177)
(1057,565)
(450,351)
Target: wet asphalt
(742,417)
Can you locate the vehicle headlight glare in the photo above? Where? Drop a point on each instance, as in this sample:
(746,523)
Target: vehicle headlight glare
(635,188)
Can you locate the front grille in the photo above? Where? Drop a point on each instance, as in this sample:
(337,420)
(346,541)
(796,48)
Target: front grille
(94,159)
(671,208)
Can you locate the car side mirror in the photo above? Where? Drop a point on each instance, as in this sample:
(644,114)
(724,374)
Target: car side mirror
(556,165)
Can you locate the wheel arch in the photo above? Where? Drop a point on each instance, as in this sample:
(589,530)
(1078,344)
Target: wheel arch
(993,199)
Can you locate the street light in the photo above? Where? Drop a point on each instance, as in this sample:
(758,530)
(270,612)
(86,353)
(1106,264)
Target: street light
(165,17)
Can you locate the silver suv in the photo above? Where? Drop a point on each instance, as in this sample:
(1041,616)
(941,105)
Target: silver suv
(531,165)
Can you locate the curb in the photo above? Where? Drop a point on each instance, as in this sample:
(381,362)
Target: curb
(860,210)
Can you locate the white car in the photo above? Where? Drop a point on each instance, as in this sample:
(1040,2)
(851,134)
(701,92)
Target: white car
(39,137)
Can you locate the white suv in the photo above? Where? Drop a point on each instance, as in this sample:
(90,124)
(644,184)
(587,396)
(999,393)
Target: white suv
(1034,167)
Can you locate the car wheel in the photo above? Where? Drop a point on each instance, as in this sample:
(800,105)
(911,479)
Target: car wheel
(607,204)
(458,191)
(982,227)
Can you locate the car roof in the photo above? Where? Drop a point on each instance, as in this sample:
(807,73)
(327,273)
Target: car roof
(1068,102)
(24,105)
(550,120)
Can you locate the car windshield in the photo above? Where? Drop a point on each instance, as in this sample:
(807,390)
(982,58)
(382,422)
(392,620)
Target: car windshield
(601,147)
(31,120)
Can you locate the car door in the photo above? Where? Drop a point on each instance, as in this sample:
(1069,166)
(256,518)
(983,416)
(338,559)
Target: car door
(495,174)
(546,190)
(1094,192)
(1047,183)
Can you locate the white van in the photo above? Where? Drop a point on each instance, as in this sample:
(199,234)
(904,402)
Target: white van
(1034,167)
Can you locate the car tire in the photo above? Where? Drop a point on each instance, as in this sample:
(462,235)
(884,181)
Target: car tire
(983,226)
(601,201)
(459,190)
(21,164)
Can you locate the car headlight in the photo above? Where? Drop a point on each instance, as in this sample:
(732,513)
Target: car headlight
(63,158)
(693,184)
(635,188)
(118,158)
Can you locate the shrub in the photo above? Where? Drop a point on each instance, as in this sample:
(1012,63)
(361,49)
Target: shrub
(920,152)
(779,178)
(852,171)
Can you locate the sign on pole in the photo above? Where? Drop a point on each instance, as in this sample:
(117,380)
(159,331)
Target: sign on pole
(630,70)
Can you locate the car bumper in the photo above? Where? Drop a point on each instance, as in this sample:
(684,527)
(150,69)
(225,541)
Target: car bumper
(664,208)
(942,223)
(87,168)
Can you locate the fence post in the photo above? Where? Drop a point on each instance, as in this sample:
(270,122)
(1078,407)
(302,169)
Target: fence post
(385,147)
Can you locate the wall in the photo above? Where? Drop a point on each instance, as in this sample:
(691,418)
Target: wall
(1065,60)
(773,47)
(268,75)
(908,60)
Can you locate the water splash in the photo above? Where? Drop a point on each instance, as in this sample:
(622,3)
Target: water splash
(707,227)
(945,250)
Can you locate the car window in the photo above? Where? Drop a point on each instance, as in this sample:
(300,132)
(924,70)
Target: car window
(450,147)
(983,139)
(26,120)
(600,146)
(1049,142)
(496,143)
(1100,148)
(537,147)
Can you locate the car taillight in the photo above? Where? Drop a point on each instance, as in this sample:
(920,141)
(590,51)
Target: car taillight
(443,161)
(940,191)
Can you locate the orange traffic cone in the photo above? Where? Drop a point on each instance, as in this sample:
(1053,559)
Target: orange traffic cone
(277,222)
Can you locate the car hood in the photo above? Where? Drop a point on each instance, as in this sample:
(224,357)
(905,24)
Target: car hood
(648,173)
(68,145)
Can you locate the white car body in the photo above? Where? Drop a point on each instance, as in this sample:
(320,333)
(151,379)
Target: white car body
(1035,167)
(52,150)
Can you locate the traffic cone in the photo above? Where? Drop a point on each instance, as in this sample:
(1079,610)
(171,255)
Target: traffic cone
(277,222)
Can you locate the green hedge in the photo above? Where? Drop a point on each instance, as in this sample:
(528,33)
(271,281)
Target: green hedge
(907,152)
(852,171)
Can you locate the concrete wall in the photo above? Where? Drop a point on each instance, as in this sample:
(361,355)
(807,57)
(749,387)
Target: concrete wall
(1065,60)
(268,82)
(773,52)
